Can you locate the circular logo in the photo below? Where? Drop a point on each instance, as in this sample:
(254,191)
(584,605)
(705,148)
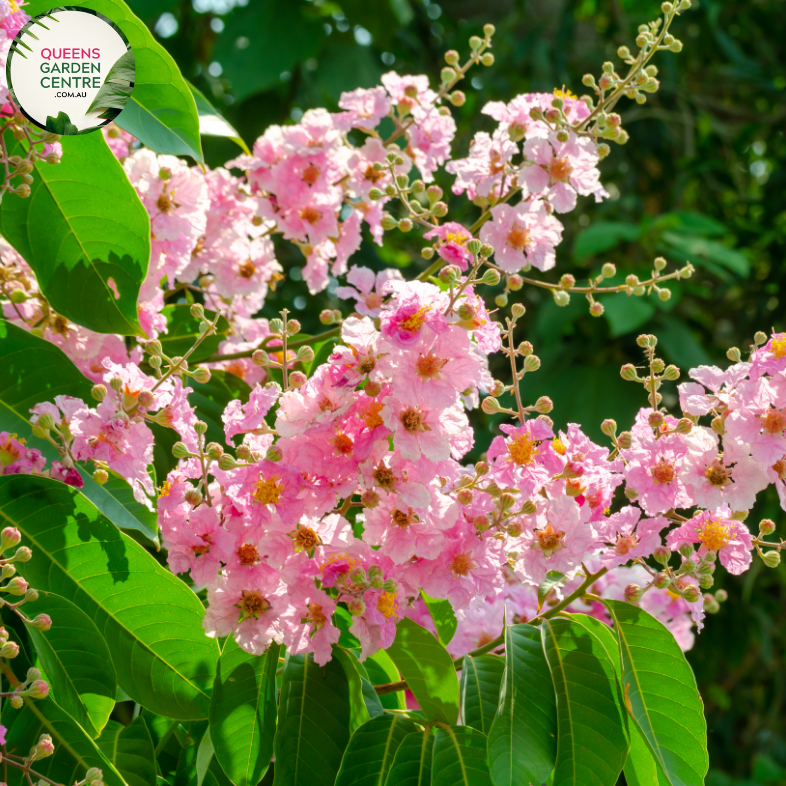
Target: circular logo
(70,70)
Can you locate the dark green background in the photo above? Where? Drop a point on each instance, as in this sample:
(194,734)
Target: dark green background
(701,179)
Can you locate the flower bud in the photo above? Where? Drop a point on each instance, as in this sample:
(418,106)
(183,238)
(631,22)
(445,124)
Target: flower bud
(518,310)
(625,439)
(684,426)
(662,555)
(766,527)
(561,297)
(686,550)
(501,300)
(227,462)
(214,451)
(481,522)
(369,498)
(506,501)
(628,372)
(491,406)
(41,622)
(259,357)
(464,496)
(22,554)
(94,777)
(38,690)
(297,379)
(9,537)
(525,348)
(7,572)
(671,373)
(449,274)
(9,650)
(692,593)
(31,596)
(197,311)
(734,354)
(711,605)
(193,496)
(721,596)
(490,278)
(451,57)
(487,59)
(630,492)
(447,74)
(608,270)
(596,309)
(718,425)
(17,702)
(531,363)
(274,453)
(17,586)
(771,558)
(609,427)
(544,405)
(356,606)
(529,508)
(633,593)
(567,280)
(706,581)
(427,252)
(201,375)
(155,362)
(376,576)
(390,585)
(180,451)
(244,453)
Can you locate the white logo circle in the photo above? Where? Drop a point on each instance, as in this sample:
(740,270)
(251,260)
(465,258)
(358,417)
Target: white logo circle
(70,70)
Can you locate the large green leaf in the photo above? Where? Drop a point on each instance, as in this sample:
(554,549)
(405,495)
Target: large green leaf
(429,671)
(243,713)
(161,111)
(592,742)
(75,753)
(460,758)
(358,710)
(523,738)
(443,617)
(151,621)
(130,749)
(481,679)
(197,766)
(381,670)
(412,764)
(35,370)
(313,723)
(77,662)
(641,769)
(85,233)
(371,750)
(212,122)
(661,691)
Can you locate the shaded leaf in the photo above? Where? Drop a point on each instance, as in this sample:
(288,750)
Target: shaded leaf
(523,738)
(428,669)
(443,616)
(130,749)
(243,712)
(150,620)
(553,579)
(460,758)
(412,763)
(91,260)
(603,236)
(481,680)
(212,122)
(76,661)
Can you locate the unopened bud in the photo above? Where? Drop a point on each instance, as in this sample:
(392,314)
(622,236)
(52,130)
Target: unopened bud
(180,451)
(506,501)
(561,297)
(759,337)
(771,558)
(718,425)
(501,300)
(766,527)
(22,554)
(356,606)
(625,440)
(274,453)
(734,354)
(671,373)
(94,777)
(628,372)
(9,537)
(481,522)
(214,451)
(31,596)
(518,310)
(464,496)
(449,274)
(200,427)
(17,586)
(567,280)
(17,702)
(38,690)
(609,427)
(297,379)
(41,622)
(9,650)
(686,550)
(608,270)
(201,375)
(630,492)
(711,606)
(531,363)
(244,453)
(491,406)
(633,593)
(662,555)
(376,576)
(596,309)
(197,311)
(529,508)
(544,405)
(193,496)
(259,357)
(369,498)
(490,278)
(692,593)
(227,462)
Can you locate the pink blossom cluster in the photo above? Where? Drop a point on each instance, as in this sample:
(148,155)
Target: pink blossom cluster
(12,20)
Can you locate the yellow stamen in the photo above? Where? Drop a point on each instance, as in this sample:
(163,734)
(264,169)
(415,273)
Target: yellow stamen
(268,491)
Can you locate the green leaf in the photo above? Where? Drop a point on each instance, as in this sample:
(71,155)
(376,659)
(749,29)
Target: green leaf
(523,737)
(626,313)
(704,252)
(151,621)
(358,711)
(443,617)
(370,752)
(91,246)
(194,761)
(412,764)
(428,669)
(243,712)
(77,662)
(212,122)
(481,679)
(603,236)
(161,112)
(130,749)
(381,670)
(553,579)
(641,769)
(117,87)
(661,694)
(592,742)
(460,758)
(313,722)
(34,370)
(61,124)
(183,331)
(204,756)
(75,752)
(261,41)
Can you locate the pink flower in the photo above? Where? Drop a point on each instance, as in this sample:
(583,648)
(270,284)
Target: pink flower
(365,108)
(453,249)
(628,537)
(408,91)
(416,305)
(717,531)
(429,140)
(484,170)
(307,622)
(17,459)
(522,236)
(200,546)
(422,431)
(516,459)
(241,418)
(367,288)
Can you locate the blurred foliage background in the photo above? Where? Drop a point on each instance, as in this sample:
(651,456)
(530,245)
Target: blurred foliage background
(702,179)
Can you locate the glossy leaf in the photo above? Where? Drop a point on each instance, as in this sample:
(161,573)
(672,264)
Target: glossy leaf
(195,767)
(74,754)
(130,749)
(76,660)
(313,722)
(371,750)
(523,737)
(381,670)
(161,111)
(592,741)
(243,712)
(35,370)
(358,710)
(641,769)
(92,249)
(481,680)
(212,122)
(553,579)
(460,758)
(183,331)
(428,669)
(661,693)
(443,617)
(412,764)
(150,620)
